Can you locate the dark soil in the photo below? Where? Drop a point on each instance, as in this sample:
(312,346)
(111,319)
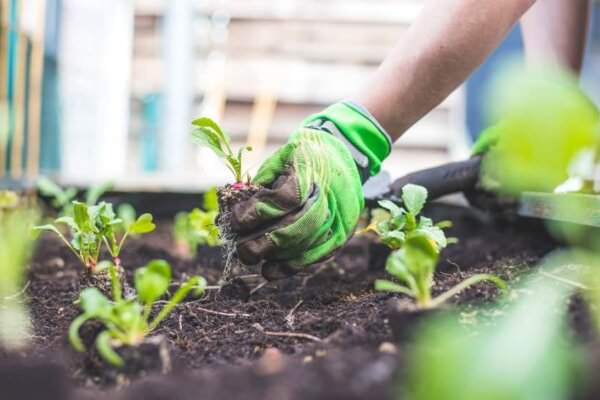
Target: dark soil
(321,335)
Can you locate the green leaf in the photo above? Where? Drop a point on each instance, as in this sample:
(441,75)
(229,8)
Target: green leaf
(436,234)
(397,267)
(211,200)
(393,239)
(81,216)
(143,224)
(210,134)
(93,302)
(152,281)
(391,207)
(382,285)
(103,344)
(126,213)
(8,199)
(414,198)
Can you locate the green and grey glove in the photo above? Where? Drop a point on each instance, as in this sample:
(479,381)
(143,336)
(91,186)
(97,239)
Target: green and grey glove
(312,193)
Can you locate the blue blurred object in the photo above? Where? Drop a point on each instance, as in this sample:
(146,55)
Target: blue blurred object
(50,129)
(151,106)
(478,82)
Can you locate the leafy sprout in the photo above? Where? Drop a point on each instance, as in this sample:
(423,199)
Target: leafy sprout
(92,227)
(208,133)
(525,354)
(414,266)
(62,199)
(417,243)
(128,321)
(198,227)
(16,244)
(406,221)
(545,120)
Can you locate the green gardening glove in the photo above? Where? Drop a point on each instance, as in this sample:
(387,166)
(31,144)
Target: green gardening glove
(312,192)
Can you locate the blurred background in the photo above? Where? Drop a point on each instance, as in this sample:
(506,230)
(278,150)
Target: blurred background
(96,90)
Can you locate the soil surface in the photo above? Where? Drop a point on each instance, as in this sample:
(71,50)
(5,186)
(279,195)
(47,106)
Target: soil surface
(321,335)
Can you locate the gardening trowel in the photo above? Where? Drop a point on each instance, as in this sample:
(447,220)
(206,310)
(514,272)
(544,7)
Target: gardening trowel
(463,176)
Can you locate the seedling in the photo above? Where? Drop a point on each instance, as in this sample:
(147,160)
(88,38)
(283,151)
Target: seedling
(127,321)
(417,243)
(405,222)
(16,245)
(198,227)
(91,227)
(208,133)
(62,199)
(414,266)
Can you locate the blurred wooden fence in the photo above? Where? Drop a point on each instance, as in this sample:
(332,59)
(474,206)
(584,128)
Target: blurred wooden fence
(21,70)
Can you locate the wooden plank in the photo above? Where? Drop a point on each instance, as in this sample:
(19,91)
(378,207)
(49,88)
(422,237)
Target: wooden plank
(381,11)
(260,123)
(296,81)
(21,69)
(35,91)
(4,25)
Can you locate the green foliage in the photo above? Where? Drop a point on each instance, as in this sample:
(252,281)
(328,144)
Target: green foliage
(93,226)
(198,227)
(60,199)
(208,133)
(405,222)
(417,242)
(16,244)
(8,200)
(545,121)
(525,355)
(127,321)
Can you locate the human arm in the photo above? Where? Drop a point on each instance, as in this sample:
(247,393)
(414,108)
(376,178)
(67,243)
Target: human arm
(442,47)
(554,31)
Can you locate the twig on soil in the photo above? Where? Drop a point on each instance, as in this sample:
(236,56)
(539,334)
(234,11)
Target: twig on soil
(180,322)
(258,287)
(289,319)
(260,328)
(208,311)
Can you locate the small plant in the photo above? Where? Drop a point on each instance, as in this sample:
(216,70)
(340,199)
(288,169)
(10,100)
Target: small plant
(198,227)
(93,226)
(405,222)
(417,243)
(208,133)
(414,267)
(127,321)
(16,244)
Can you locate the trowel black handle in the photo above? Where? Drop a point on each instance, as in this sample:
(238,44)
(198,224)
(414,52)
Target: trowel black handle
(442,180)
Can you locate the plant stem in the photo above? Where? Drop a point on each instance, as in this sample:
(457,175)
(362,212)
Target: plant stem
(441,299)
(179,295)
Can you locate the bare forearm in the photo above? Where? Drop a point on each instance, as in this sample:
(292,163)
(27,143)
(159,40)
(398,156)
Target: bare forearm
(444,45)
(554,31)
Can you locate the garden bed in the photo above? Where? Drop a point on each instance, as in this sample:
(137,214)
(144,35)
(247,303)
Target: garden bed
(323,335)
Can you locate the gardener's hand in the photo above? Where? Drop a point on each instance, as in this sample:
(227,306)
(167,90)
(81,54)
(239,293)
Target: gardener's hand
(312,196)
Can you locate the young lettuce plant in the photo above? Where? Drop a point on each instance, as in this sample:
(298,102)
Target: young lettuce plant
(127,322)
(16,244)
(417,243)
(62,199)
(208,133)
(414,266)
(405,222)
(198,227)
(93,226)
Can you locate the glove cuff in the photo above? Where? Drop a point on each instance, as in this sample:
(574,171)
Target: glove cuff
(368,142)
